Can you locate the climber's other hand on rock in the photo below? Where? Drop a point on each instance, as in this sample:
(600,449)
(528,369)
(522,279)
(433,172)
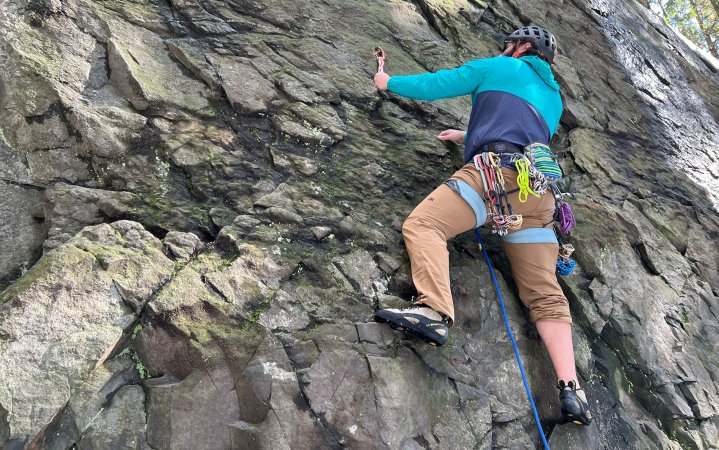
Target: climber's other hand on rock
(456,136)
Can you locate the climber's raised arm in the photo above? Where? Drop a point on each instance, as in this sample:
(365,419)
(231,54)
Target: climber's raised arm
(435,85)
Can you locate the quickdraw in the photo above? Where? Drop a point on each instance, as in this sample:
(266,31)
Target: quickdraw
(514,221)
(489,165)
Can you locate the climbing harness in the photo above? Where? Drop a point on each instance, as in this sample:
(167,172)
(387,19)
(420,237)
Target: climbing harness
(537,172)
(511,338)
(380,55)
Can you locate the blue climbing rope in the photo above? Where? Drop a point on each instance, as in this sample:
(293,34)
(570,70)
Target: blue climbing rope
(511,337)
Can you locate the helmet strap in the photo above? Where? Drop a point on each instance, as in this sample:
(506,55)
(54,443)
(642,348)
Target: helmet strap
(515,52)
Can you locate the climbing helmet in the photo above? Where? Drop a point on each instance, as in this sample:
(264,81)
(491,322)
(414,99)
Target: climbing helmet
(544,40)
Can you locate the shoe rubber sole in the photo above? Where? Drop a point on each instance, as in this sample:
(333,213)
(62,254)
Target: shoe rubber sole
(576,419)
(407,329)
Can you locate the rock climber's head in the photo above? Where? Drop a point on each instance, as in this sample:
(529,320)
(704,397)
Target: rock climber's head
(531,40)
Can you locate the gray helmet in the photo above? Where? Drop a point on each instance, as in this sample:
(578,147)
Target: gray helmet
(543,39)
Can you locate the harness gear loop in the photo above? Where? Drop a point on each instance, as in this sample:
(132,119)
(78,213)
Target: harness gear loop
(496,162)
(489,166)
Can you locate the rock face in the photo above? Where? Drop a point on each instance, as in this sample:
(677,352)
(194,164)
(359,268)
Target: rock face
(202,204)
(78,301)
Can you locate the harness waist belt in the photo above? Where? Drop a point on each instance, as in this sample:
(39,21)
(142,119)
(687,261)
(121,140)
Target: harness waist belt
(501,147)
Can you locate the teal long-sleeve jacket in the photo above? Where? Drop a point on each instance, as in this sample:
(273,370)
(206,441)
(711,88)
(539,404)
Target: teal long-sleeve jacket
(514,100)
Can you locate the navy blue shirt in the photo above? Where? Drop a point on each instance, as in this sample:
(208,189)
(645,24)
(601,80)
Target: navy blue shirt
(494,118)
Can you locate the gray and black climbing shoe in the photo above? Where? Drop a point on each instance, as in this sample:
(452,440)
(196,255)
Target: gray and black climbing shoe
(421,321)
(574,403)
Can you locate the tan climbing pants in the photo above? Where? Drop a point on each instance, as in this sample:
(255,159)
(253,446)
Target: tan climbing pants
(456,207)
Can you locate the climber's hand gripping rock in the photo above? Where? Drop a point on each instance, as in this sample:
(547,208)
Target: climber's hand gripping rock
(456,136)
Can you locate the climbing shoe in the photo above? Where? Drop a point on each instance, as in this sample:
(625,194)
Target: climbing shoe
(574,403)
(421,321)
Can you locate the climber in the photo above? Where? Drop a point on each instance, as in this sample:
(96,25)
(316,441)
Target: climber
(516,102)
